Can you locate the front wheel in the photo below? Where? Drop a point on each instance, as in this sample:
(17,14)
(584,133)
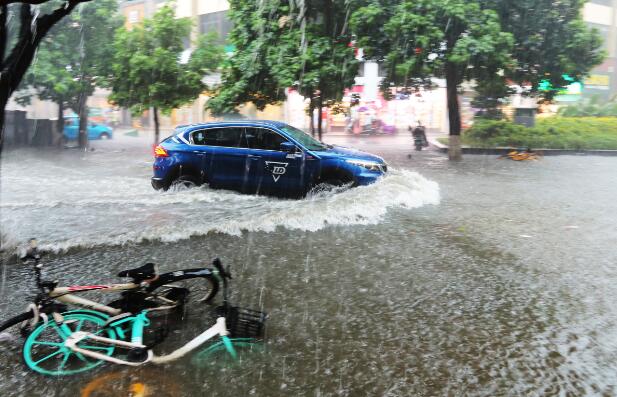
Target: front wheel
(330,185)
(20,318)
(44,351)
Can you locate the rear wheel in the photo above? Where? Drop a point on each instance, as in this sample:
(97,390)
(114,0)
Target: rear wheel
(184,182)
(44,351)
(200,289)
(104,136)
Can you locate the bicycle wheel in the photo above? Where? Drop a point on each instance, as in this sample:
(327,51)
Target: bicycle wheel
(20,318)
(200,289)
(218,354)
(44,351)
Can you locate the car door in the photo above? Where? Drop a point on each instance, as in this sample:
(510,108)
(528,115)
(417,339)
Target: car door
(221,156)
(272,170)
(70,128)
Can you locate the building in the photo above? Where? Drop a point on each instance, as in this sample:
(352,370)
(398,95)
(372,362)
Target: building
(602,15)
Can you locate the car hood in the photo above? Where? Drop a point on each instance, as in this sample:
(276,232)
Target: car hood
(347,153)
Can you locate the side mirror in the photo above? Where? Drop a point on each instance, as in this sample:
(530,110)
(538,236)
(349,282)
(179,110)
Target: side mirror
(288,147)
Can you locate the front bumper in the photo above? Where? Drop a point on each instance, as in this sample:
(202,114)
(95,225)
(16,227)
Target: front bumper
(368,177)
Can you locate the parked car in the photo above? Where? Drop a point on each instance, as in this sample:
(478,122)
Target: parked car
(95,130)
(264,157)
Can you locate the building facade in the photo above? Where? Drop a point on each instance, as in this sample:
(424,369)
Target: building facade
(602,15)
(212,16)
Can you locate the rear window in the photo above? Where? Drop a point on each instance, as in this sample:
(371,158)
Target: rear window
(226,137)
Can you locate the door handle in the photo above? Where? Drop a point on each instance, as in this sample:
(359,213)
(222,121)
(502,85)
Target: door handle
(251,157)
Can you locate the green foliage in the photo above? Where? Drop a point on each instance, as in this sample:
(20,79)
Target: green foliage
(147,71)
(421,36)
(549,133)
(550,40)
(489,41)
(591,108)
(282,44)
(454,39)
(490,94)
(74,57)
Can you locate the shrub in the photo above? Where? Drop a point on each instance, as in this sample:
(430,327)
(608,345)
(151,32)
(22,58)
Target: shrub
(549,133)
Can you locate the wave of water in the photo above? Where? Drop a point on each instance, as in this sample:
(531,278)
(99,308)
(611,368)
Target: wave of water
(114,210)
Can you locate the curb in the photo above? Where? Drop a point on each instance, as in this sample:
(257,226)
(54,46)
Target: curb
(545,152)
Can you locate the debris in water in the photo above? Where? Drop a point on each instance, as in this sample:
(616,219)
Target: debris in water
(522,155)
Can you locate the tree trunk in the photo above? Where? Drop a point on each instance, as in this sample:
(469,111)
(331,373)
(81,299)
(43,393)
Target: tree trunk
(4,98)
(155,112)
(311,114)
(60,124)
(82,137)
(454,112)
(31,31)
(319,118)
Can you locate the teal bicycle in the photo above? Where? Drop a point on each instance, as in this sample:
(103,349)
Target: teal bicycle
(75,341)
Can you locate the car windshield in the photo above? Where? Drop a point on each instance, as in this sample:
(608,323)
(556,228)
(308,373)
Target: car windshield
(304,139)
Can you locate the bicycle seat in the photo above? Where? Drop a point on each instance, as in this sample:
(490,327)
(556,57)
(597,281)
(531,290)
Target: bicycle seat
(141,273)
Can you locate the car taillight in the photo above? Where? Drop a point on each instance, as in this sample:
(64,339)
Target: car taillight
(159,151)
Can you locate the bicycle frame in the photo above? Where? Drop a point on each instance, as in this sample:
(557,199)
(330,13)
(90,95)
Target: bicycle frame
(139,322)
(66,295)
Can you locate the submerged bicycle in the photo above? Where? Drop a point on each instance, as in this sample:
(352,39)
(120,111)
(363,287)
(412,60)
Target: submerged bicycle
(68,342)
(147,289)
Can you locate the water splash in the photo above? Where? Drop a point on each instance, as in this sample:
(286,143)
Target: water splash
(131,212)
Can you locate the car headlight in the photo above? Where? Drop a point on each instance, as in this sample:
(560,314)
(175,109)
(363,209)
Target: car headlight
(369,165)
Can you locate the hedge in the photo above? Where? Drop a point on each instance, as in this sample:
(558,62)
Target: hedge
(549,133)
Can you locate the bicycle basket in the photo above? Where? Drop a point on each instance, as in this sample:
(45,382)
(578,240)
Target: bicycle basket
(245,323)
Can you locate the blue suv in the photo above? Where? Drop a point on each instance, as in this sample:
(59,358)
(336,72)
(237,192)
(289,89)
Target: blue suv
(263,157)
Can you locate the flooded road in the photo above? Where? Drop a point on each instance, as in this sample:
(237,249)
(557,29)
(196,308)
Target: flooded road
(489,277)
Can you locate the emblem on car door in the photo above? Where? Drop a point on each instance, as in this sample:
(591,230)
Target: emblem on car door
(277,169)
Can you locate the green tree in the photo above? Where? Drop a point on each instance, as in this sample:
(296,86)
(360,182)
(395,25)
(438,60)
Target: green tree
(550,41)
(73,60)
(491,94)
(285,44)
(453,39)
(148,68)
(246,75)
(23,42)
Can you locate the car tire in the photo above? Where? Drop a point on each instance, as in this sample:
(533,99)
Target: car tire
(332,184)
(104,136)
(184,182)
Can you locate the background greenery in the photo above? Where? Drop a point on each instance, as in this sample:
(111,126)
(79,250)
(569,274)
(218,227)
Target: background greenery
(549,133)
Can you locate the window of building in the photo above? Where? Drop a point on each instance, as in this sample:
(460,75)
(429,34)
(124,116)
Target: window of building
(133,16)
(217,22)
(608,3)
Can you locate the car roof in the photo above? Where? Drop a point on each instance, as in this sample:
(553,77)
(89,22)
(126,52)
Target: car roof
(250,123)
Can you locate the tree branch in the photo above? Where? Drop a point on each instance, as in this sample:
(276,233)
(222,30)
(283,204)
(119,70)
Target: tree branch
(29,38)
(35,2)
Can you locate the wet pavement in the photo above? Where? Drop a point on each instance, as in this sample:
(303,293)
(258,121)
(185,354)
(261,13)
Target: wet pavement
(486,277)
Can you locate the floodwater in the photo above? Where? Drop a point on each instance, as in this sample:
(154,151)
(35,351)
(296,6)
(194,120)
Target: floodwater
(486,278)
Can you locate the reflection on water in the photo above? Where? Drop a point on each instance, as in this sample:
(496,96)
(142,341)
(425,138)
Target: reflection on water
(444,299)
